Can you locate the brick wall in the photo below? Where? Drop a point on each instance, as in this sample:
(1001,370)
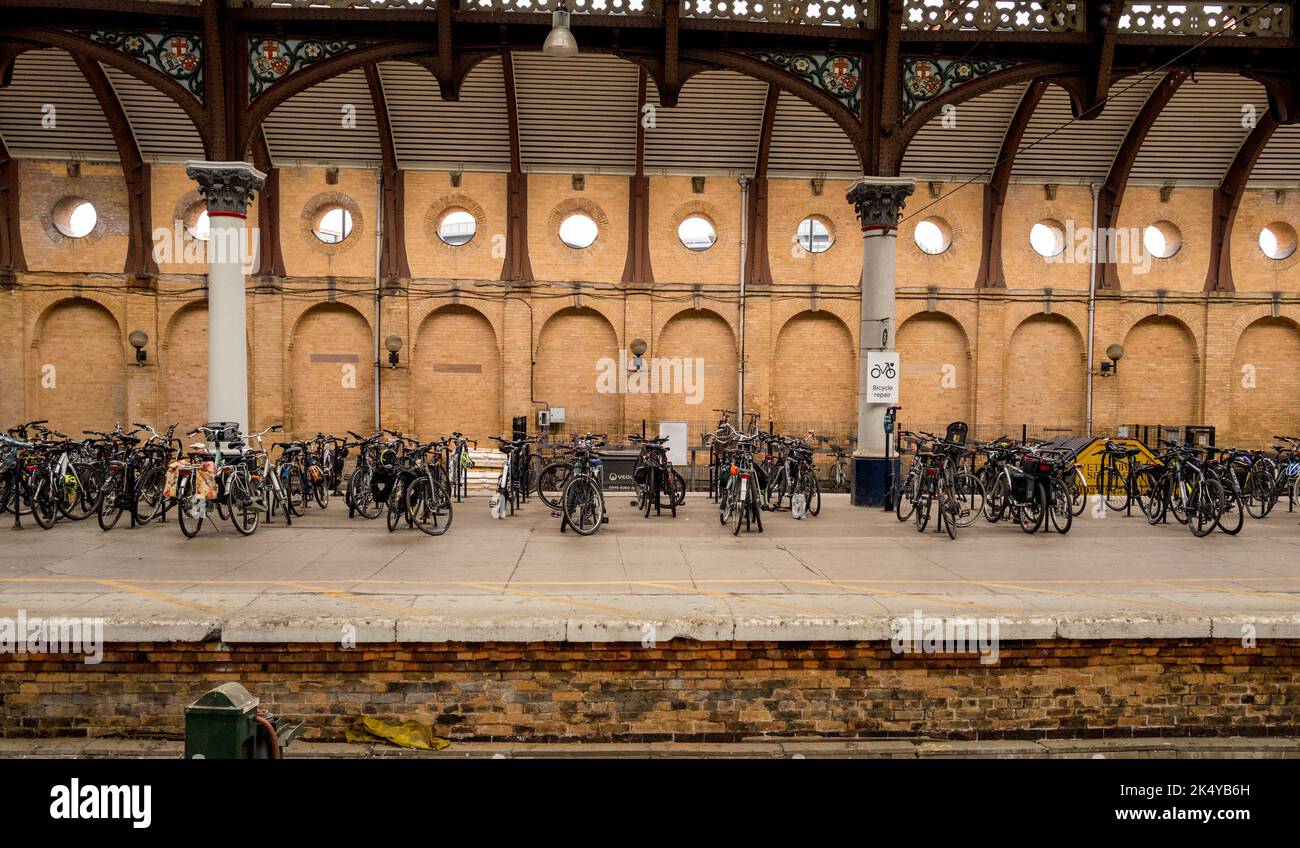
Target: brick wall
(1013,364)
(681,690)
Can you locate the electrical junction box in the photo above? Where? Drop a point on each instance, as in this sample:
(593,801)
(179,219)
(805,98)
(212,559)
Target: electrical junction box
(557,414)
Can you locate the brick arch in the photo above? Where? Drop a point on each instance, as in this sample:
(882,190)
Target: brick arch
(1186,315)
(705,342)
(1249,316)
(1159,349)
(814,375)
(1044,377)
(665,313)
(320,399)
(547,309)
(82,340)
(293,317)
(38,308)
(185,365)
(1262,380)
(847,310)
(450,341)
(937,370)
(571,343)
(909,309)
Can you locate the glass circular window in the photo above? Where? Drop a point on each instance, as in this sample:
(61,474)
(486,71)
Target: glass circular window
(697,233)
(201,228)
(1047,238)
(814,236)
(933,235)
(578,231)
(75,217)
(1277,240)
(1162,239)
(334,225)
(457,227)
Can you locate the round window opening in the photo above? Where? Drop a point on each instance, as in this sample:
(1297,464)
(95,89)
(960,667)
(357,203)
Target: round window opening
(334,225)
(1162,239)
(457,227)
(1047,238)
(697,233)
(814,236)
(578,231)
(933,236)
(201,228)
(75,217)
(1277,240)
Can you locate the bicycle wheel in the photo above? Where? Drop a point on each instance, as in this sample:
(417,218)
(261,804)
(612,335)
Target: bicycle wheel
(1077,488)
(243,510)
(550,482)
(189,513)
(1257,492)
(968,498)
(396,506)
(746,499)
(1060,506)
(296,489)
(949,508)
(80,491)
(149,494)
(678,485)
(363,501)
(905,497)
(1202,506)
(321,492)
(429,506)
(583,505)
(1034,510)
(1114,488)
(775,492)
(1232,514)
(921,506)
(995,499)
(110,505)
(812,492)
(1148,490)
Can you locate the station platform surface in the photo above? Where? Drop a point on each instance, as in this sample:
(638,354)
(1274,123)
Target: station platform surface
(843,575)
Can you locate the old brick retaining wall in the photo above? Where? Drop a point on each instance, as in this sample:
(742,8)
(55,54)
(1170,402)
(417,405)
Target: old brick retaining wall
(681,690)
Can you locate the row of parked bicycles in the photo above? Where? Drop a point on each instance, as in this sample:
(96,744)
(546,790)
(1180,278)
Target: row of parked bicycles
(226,476)
(950,484)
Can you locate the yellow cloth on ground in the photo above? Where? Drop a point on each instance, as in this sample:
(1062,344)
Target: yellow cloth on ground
(408,734)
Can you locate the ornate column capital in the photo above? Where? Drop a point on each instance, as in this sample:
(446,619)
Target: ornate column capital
(226,187)
(879,200)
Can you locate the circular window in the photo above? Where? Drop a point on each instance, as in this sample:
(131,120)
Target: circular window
(1277,240)
(1162,239)
(457,227)
(814,236)
(1047,238)
(334,225)
(697,233)
(201,227)
(75,217)
(578,231)
(933,236)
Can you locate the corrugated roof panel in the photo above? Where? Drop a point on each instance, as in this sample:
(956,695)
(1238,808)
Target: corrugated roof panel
(471,133)
(162,129)
(805,141)
(578,112)
(75,126)
(1057,146)
(1280,161)
(1200,129)
(715,125)
(315,124)
(969,148)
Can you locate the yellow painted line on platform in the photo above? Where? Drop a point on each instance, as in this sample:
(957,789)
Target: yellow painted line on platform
(753,599)
(157,596)
(1281,596)
(558,599)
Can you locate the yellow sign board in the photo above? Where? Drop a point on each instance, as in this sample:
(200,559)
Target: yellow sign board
(1089,458)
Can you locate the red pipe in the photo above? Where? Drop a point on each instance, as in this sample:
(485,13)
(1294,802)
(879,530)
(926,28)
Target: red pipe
(276,754)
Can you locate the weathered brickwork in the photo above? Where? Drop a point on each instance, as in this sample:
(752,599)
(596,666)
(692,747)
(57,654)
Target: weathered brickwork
(1002,359)
(681,690)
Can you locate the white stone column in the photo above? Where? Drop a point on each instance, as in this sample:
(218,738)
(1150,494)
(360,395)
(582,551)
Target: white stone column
(227,188)
(878,202)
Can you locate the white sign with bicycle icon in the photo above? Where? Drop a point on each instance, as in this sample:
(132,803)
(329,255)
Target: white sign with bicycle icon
(882,376)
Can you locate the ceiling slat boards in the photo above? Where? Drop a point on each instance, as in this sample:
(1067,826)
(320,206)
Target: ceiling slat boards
(1057,147)
(968,147)
(805,139)
(713,128)
(1279,164)
(471,134)
(1200,130)
(162,129)
(333,121)
(576,113)
(49,111)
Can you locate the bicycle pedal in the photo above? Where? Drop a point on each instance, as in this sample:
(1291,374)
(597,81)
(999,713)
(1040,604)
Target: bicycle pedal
(604,519)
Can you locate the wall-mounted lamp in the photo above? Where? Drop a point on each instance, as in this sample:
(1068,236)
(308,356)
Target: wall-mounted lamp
(394,344)
(138,339)
(638,348)
(1115,353)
